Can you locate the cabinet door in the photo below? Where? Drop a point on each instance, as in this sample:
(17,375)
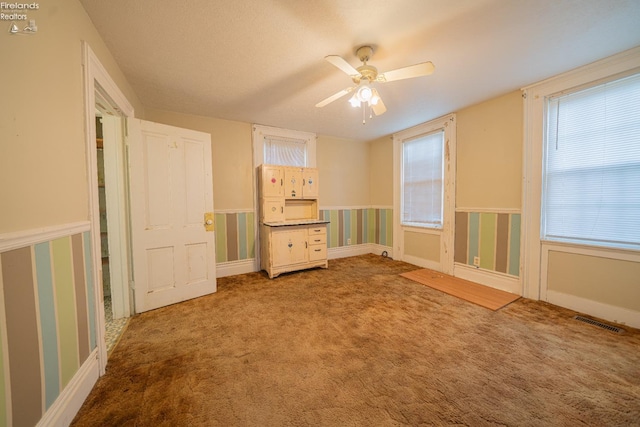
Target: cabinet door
(310,189)
(272,210)
(292,183)
(288,247)
(272,181)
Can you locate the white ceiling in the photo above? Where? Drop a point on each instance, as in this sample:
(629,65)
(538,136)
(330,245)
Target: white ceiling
(261,61)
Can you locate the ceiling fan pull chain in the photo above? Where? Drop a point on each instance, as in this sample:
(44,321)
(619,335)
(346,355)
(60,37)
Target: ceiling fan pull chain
(364,113)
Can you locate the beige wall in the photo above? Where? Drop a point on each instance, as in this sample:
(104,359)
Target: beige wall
(489,153)
(344,172)
(609,281)
(42,150)
(381,171)
(422,245)
(231,151)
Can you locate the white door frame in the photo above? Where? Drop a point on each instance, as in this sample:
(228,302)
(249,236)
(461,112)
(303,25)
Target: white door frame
(97,79)
(117,212)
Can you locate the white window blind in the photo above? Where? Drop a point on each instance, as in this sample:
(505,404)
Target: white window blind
(285,151)
(591,180)
(423,179)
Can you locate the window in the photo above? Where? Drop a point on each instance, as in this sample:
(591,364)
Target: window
(424,170)
(276,146)
(283,151)
(591,171)
(422,180)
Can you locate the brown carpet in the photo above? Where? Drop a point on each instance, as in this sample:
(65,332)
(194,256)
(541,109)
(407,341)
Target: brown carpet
(493,299)
(358,345)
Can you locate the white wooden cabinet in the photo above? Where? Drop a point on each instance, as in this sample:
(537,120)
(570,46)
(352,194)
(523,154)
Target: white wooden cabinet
(292,237)
(288,248)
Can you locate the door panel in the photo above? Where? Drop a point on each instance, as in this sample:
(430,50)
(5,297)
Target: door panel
(171,189)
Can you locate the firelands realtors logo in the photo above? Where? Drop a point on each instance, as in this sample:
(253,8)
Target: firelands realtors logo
(17,12)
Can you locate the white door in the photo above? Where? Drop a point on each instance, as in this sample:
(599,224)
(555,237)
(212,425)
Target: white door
(171,193)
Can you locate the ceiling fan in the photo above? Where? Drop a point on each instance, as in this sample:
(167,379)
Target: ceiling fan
(366,74)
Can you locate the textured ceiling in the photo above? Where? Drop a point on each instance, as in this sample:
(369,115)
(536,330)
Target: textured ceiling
(261,61)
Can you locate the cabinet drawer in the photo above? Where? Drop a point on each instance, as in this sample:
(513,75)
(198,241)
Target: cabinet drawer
(317,239)
(317,252)
(321,229)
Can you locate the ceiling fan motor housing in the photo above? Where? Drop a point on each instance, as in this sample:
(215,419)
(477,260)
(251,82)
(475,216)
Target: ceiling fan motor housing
(367,72)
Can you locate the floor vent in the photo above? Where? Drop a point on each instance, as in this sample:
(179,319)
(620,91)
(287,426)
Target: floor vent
(600,324)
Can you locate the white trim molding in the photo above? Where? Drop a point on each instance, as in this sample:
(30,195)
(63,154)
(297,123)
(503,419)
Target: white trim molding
(98,80)
(490,210)
(68,403)
(26,238)
(233,211)
(603,311)
(355,250)
(492,279)
(351,208)
(233,268)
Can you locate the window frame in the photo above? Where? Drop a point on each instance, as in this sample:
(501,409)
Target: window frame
(446,232)
(260,132)
(534,248)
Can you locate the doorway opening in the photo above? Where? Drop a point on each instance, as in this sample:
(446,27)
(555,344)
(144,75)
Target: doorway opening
(115,317)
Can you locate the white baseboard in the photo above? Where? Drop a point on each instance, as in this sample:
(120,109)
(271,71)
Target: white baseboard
(603,311)
(347,251)
(233,268)
(67,405)
(379,249)
(355,250)
(488,278)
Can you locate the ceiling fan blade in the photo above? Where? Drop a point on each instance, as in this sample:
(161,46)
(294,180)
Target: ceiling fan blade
(335,96)
(417,70)
(379,107)
(340,63)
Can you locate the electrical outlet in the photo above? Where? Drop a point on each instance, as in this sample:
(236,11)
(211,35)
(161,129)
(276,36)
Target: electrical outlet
(348,241)
(476,261)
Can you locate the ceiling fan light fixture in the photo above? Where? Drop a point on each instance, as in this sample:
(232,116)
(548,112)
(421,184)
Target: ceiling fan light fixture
(364,93)
(354,101)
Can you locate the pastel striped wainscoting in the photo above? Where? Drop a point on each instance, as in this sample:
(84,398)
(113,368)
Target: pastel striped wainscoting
(361,225)
(49,323)
(235,236)
(492,236)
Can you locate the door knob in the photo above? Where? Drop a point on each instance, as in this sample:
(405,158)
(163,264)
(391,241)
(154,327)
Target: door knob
(208,221)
